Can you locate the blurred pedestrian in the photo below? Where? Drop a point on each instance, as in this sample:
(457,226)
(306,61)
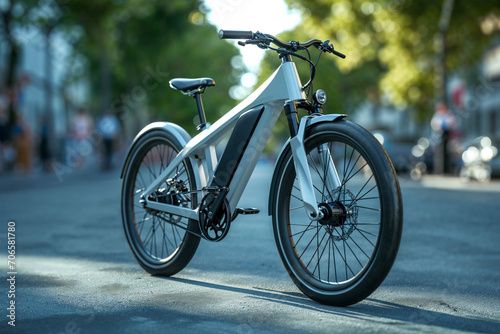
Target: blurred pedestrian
(109,127)
(80,133)
(4,137)
(21,136)
(442,123)
(43,145)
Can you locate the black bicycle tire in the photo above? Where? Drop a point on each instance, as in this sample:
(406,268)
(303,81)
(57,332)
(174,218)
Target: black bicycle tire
(189,244)
(390,227)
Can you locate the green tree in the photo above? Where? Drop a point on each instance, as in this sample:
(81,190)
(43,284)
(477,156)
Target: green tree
(345,92)
(139,46)
(391,44)
(13,16)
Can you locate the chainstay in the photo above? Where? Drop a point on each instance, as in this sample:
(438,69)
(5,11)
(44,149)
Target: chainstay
(160,214)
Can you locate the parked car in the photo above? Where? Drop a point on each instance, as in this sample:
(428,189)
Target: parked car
(478,160)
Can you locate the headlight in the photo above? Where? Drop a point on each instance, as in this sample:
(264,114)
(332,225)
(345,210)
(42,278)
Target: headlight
(319,96)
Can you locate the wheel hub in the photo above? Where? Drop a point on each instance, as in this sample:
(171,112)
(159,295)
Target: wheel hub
(340,215)
(174,195)
(334,214)
(162,196)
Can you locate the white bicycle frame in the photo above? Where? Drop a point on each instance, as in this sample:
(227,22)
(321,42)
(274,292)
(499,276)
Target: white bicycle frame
(283,85)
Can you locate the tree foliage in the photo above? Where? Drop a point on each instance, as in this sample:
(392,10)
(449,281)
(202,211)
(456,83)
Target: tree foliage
(127,51)
(145,44)
(12,14)
(390,46)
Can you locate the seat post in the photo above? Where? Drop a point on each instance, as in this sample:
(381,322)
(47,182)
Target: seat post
(201,111)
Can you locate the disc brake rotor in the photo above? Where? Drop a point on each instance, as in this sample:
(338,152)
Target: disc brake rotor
(348,201)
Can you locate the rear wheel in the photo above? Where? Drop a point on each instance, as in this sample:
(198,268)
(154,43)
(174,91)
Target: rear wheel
(345,256)
(160,242)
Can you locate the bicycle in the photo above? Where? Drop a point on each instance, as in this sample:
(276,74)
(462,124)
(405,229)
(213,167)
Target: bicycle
(334,199)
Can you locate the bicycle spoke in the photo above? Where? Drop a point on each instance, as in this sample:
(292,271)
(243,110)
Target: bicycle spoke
(366,193)
(361,232)
(143,183)
(368,208)
(320,256)
(303,233)
(161,158)
(361,249)
(371,176)
(365,198)
(347,244)
(347,173)
(356,173)
(316,249)
(344,260)
(322,179)
(298,225)
(149,165)
(329,242)
(297,198)
(152,233)
(305,249)
(332,245)
(332,253)
(145,241)
(164,242)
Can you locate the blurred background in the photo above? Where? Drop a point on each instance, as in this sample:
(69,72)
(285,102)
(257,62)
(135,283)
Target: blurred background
(78,79)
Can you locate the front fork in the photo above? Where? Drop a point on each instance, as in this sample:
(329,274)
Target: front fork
(301,165)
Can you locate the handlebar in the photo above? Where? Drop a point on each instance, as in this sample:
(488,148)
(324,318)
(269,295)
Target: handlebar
(266,39)
(235,34)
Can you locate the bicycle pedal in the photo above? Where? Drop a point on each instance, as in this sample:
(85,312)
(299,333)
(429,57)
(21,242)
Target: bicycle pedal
(247,211)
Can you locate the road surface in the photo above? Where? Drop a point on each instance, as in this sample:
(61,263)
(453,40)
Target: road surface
(75,273)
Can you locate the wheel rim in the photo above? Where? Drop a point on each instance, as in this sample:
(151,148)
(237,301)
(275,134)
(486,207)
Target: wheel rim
(154,237)
(336,252)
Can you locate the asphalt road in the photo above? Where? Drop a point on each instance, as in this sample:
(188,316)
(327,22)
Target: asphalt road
(75,273)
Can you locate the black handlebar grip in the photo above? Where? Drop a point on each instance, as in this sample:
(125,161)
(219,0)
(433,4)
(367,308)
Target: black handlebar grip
(338,54)
(235,34)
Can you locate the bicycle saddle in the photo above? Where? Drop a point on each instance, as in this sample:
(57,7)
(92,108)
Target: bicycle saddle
(186,85)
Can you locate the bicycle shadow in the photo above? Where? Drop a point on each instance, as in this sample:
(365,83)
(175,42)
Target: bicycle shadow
(371,309)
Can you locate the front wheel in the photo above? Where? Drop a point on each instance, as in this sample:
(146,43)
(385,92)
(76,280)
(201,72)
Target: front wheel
(343,258)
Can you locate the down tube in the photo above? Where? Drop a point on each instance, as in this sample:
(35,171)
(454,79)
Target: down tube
(253,152)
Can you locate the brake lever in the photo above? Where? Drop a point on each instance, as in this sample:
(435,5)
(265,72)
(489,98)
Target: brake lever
(263,44)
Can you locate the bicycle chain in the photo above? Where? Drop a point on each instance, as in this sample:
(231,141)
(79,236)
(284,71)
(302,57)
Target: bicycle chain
(203,231)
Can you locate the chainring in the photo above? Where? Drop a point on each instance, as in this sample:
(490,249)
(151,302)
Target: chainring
(214,228)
